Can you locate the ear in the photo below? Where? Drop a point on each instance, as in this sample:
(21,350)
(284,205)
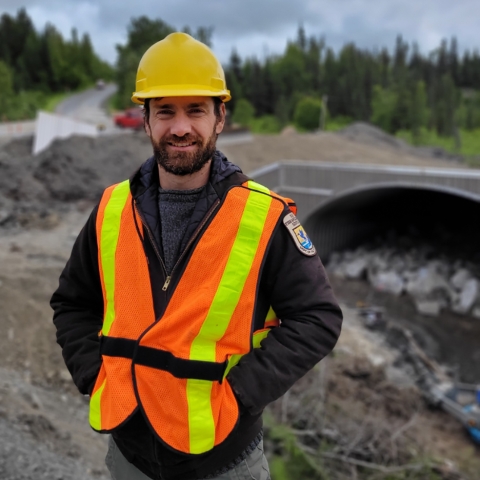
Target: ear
(221,120)
(146,126)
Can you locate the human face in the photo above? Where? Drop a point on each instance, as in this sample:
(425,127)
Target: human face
(183,132)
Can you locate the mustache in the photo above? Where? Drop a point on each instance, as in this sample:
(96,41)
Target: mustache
(188,137)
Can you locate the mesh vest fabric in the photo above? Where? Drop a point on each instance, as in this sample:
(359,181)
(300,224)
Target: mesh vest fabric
(207,321)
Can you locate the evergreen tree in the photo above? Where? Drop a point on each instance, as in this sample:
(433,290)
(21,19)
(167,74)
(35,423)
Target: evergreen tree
(6,89)
(418,111)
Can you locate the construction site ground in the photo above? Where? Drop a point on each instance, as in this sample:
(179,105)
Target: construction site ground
(44,202)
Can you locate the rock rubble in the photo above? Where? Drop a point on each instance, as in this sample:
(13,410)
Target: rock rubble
(434,282)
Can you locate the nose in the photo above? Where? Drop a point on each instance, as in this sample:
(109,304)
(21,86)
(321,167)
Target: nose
(181,124)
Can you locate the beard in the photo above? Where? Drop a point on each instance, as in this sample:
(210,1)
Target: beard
(184,163)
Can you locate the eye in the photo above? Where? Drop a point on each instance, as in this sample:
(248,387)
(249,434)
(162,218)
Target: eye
(196,111)
(165,111)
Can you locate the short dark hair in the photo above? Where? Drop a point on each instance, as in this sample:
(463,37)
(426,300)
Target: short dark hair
(216,107)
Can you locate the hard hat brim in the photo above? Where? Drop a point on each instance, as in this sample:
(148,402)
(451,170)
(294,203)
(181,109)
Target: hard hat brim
(183,91)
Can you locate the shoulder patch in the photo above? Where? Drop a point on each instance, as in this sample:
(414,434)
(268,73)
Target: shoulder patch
(300,237)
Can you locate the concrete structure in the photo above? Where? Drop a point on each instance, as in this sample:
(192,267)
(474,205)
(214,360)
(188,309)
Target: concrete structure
(50,126)
(343,205)
(9,130)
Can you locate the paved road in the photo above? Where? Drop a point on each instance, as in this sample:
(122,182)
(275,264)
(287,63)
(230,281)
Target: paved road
(88,106)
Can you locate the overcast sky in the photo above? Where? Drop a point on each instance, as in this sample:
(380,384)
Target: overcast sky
(259,27)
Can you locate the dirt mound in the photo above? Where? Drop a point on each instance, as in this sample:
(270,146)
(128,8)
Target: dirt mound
(73,169)
(331,147)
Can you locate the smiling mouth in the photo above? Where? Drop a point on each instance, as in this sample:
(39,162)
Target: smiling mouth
(182,144)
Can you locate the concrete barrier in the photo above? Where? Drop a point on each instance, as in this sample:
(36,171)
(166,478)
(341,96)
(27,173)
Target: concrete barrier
(50,126)
(17,129)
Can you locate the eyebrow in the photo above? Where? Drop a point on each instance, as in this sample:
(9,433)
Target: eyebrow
(190,105)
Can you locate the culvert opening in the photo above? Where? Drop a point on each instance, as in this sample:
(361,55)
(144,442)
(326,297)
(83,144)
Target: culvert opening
(416,253)
(449,222)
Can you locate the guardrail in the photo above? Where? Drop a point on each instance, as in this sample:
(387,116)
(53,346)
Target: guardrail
(17,129)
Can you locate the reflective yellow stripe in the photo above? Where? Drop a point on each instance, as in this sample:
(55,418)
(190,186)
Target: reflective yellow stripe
(257,339)
(200,417)
(95,415)
(256,186)
(259,336)
(271,315)
(108,246)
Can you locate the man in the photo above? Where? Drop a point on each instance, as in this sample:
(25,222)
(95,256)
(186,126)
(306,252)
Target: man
(167,309)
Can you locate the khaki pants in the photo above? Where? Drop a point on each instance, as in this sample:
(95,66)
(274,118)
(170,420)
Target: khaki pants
(254,467)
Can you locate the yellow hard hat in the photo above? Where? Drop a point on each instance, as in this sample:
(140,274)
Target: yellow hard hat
(179,66)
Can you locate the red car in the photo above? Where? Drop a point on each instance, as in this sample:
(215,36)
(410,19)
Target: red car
(130,118)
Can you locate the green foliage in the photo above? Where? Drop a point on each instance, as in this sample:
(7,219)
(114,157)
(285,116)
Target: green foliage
(23,106)
(42,63)
(266,124)
(383,108)
(470,141)
(307,114)
(290,461)
(17,106)
(244,115)
(396,91)
(244,112)
(418,111)
(6,88)
(337,123)
(468,114)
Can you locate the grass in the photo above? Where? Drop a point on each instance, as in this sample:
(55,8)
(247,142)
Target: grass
(53,100)
(337,123)
(469,143)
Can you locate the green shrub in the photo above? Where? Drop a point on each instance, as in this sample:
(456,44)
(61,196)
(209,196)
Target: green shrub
(243,113)
(265,124)
(307,114)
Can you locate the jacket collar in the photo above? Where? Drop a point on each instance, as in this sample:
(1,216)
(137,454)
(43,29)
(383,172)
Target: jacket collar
(145,182)
(146,177)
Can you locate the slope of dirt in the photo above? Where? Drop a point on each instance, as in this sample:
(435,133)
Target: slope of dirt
(327,147)
(44,202)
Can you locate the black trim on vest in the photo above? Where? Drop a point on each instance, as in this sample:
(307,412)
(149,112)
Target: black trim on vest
(162,360)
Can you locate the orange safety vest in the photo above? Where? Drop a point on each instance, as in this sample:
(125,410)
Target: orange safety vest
(174,367)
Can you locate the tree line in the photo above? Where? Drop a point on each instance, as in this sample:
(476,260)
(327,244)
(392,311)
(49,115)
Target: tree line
(309,84)
(403,90)
(35,64)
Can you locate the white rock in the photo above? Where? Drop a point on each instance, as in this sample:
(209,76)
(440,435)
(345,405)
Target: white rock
(467,297)
(427,281)
(356,268)
(428,307)
(460,277)
(390,282)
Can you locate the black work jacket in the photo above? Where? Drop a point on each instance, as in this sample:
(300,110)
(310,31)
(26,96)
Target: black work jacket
(294,284)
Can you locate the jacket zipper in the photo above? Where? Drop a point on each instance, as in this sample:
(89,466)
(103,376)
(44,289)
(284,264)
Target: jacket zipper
(192,239)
